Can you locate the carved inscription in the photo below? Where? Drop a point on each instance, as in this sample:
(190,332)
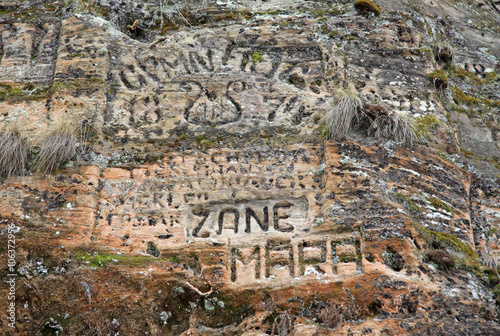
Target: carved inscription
(211,107)
(278,259)
(27,52)
(221,83)
(258,217)
(221,198)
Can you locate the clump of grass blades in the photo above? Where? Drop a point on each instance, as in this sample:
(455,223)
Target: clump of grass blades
(58,147)
(350,113)
(439,79)
(86,130)
(443,53)
(14,148)
(283,324)
(367,6)
(335,313)
(340,119)
(396,125)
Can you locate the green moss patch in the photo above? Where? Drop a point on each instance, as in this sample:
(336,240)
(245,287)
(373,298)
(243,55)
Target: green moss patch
(256,57)
(438,204)
(274,12)
(443,239)
(330,10)
(74,55)
(462,98)
(423,126)
(407,203)
(33,92)
(190,260)
(102,259)
(26,92)
(439,79)
(367,6)
(459,73)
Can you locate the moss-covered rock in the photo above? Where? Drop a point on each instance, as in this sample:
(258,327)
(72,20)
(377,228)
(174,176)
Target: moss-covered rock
(367,6)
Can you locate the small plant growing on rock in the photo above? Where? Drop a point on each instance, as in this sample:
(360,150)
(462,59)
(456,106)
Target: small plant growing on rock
(152,250)
(463,98)
(443,53)
(335,313)
(396,125)
(443,240)
(86,130)
(14,148)
(496,293)
(439,79)
(349,113)
(492,264)
(444,260)
(58,147)
(438,204)
(340,118)
(385,124)
(256,57)
(283,324)
(408,203)
(133,26)
(367,6)
(425,124)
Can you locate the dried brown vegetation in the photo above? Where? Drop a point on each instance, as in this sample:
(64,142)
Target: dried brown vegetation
(395,125)
(14,150)
(335,313)
(350,113)
(342,116)
(367,6)
(283,325)
(58,147)
(441,258)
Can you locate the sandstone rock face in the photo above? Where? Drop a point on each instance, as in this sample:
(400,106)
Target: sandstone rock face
(204,199)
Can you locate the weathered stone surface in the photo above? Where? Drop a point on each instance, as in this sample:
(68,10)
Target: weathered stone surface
(203,200)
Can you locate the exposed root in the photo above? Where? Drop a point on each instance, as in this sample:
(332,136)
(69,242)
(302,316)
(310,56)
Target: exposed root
(197,290)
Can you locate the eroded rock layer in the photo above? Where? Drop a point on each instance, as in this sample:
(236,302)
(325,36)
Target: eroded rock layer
(204,199)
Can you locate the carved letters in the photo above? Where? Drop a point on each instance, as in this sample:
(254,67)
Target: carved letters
(251,206)
(28,53)
(255,218)
(278,259)
(210,107)
(207,83)
(264,245)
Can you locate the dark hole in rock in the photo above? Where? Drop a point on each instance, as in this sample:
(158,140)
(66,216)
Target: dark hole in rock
(393,259)
(374,307)
(152,250)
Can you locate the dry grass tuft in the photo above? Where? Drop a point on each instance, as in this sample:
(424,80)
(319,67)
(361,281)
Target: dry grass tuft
(342,116)
(283,324)
(443,53)
(439,79)
(396,125)
(349,113)
(86,129)
(58,147)
(335,313)
(14,148)
(441,258)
